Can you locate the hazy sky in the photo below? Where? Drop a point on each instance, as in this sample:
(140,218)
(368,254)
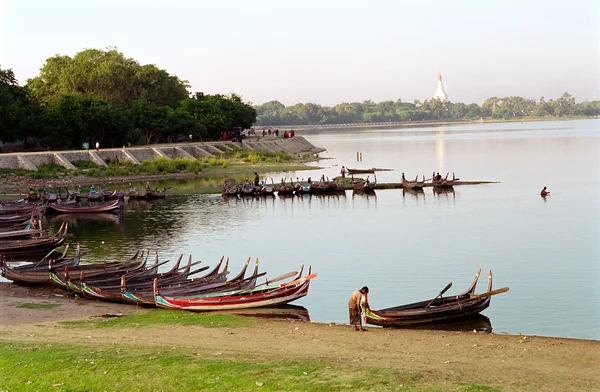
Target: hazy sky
(326,51)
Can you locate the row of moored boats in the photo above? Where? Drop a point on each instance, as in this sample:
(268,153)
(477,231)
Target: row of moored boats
(140,282)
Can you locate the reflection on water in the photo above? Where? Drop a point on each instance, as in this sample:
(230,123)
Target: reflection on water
(477,323)
(285,312)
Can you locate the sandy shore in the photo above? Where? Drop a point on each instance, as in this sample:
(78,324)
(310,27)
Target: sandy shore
(506,362)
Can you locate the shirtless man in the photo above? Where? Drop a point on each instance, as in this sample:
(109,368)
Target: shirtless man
(544,192)
(358,300)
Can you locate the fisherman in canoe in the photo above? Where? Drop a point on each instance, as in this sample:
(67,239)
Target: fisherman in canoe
(358,300)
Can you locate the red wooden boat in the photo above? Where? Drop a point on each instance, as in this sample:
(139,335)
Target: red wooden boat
(258,297)
(70,208)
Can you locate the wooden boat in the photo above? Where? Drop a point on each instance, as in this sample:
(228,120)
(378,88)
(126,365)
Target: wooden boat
(247,189)
(28,231)
(36,274)
(364,186)
(34,245)
(443,182)
(267,190)
(416,184)
(439,309)
(285,189)
(258,297)
(72,208)
(229,190)
(11,209)
(14,219)
(156,194)
(360,171)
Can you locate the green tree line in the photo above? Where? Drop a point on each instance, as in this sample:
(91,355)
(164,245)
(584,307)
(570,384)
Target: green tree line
(275,113)
(101,95)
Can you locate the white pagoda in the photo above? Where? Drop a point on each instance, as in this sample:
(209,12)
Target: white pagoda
(440,93)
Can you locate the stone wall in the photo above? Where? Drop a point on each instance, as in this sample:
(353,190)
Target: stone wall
(29,161)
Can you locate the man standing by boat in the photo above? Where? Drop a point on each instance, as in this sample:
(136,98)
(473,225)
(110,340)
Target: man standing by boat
(358,300)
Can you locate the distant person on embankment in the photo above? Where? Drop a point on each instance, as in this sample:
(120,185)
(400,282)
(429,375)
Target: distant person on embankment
(358,300)
(544,192)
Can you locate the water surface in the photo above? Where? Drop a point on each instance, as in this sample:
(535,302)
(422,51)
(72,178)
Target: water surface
(405,246)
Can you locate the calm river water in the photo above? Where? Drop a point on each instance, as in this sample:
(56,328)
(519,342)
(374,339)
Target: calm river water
(407,247)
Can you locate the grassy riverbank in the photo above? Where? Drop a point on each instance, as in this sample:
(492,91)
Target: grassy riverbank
(79,345)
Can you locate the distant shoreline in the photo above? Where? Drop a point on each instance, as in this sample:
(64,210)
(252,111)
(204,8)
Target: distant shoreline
(405,124)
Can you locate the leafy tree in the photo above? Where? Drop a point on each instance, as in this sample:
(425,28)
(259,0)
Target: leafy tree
(105,74)
(14,104)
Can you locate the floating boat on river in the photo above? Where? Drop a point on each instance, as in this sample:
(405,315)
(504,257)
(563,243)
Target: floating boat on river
(416,184)
(72,208)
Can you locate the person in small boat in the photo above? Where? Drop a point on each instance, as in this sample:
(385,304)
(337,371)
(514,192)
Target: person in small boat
(256,178)
(544,192)
(358,301)
(147,185)
(35,223)
(438,176)
(309,180)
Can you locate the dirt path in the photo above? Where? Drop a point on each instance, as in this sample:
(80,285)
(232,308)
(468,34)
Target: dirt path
(507,362)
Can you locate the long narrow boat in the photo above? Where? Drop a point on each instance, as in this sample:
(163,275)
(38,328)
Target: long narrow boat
(416,184)
(72,208)
(444,182)
(360,171)
(259,297)
(365,186)
(34,245)
(28,231)
(436,310)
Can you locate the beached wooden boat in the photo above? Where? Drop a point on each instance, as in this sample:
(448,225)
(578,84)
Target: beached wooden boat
(34,245)
(75,208)
(416,184)
(439,309)
(257,297)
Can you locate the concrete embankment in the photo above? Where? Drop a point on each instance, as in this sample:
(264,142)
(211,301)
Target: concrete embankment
(30,160)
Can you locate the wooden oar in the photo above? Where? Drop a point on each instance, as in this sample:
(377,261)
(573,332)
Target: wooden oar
(277,279)
(439,294)
(490,293)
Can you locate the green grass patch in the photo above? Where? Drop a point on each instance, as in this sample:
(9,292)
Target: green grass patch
(259,156)
(165,317)
(44,367)
(45,305)
(81,164)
